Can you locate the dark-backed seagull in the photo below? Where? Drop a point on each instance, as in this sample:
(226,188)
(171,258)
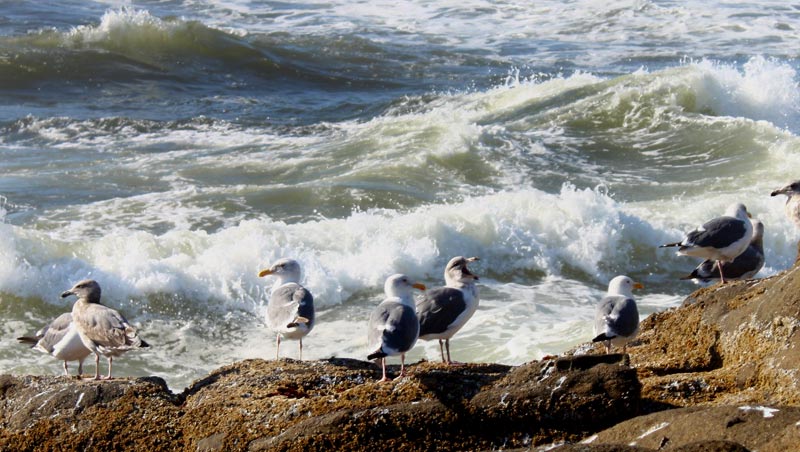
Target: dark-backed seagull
(393,325)
(720,239)
(745,266)
(444,310)
(616,318)
(60,339)
(290,310)
(103,330)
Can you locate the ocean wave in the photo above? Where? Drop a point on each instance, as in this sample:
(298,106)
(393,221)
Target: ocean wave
(520,235)
(646,136)
(126,44)
(131,44)
(660,132)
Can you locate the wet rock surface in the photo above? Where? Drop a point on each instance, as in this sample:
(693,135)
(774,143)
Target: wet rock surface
(335,404)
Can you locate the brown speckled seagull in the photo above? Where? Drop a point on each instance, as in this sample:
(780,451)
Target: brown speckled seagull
(103,330)
(792,206)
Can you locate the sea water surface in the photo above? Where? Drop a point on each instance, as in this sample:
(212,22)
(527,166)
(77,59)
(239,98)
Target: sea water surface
(172,149)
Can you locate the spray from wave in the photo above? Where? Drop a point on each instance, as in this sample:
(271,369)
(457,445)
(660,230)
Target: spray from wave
(528,233)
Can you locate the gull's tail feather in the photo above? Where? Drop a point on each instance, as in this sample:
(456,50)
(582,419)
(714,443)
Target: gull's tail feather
(28,340)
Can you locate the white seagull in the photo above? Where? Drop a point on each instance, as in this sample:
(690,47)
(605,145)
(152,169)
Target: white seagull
(721,239)
(616,317)
(290,310)
(103,330)
(61,340)
(393,325)
(444,310)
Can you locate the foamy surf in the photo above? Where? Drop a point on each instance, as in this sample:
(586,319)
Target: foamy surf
(521,231)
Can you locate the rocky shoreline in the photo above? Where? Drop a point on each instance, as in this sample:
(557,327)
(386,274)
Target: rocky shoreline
(719,373)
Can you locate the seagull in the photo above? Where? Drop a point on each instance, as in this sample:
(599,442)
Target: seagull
(60,339)
(720,239)
(393,325)
(103,330)
(616,318)
(290,311)
(745,266)
(444,310)
(792,206)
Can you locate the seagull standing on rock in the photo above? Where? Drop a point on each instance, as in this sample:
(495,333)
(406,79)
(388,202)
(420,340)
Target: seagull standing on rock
(616,318)
(290,311)
(103,330)
(721,239)
(393,325)
(745,266)
(444,310)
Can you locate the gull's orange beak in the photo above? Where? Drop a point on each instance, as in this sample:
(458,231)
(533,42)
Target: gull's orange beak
(637,285)
(419,286)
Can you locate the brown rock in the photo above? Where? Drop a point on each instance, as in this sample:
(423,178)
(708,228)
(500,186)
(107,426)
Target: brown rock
(700,446)
(746,427)
(600,448)
(536,398)
(335,404)
(58,413)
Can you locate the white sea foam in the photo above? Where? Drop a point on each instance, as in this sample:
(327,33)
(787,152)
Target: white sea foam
(484,24)
(125,27)
(765,89)
(583,230)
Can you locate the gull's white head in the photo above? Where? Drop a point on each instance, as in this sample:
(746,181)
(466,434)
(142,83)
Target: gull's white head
(623,285)
(286,270)
(399,286)
(738,210)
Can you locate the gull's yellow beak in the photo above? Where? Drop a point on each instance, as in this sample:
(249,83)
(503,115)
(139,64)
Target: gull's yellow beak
(264,273)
